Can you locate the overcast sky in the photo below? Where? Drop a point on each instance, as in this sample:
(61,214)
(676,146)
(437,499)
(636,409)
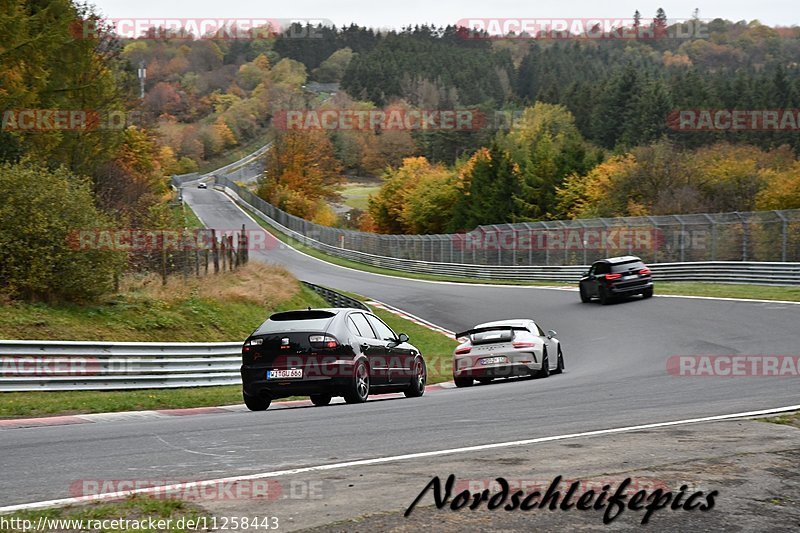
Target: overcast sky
(441,12)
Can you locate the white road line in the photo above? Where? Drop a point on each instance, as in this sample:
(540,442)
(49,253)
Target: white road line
(493,285)
(412,318)
(380,460)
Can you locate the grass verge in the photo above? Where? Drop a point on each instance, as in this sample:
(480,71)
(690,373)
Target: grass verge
(213,308)
(43,403)
(356,194)
(178,516)
(791,419)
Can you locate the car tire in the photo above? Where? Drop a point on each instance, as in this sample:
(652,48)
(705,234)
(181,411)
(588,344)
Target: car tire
(648,293)
(321,400)
(602,295)
(464,382)
(417,386)
(358,389)
(560,365)
(584,297)
(485,381)
(545,371)
(256,403)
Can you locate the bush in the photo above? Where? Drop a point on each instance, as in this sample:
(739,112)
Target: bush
(40,212)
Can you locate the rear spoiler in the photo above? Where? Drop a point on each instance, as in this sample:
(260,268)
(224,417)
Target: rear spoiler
(488,328)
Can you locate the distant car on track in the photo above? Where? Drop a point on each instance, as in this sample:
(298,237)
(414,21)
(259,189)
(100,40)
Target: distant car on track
(202,185)
(616,277)
(328,352)
(506,348)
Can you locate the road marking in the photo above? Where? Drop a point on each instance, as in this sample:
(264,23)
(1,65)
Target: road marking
(380,460)
(493,285)
(412,318)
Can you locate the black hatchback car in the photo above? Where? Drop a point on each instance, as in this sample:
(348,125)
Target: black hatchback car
(615,277)
(328,352)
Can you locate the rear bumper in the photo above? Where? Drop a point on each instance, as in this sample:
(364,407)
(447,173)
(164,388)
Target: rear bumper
(503,370)
(631,289)
(323,379)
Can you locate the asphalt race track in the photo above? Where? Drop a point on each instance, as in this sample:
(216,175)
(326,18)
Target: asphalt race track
(616,376)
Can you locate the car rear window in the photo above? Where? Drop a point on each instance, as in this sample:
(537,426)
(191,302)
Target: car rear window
(492,336)
(297,321)
(624,267)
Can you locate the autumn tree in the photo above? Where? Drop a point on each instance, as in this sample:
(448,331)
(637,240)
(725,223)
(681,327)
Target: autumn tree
(301,174)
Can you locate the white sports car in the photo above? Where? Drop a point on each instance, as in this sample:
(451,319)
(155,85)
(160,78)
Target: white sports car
(506,348)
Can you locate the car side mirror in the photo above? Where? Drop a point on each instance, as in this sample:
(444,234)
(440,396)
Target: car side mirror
(551,333)
(402,338)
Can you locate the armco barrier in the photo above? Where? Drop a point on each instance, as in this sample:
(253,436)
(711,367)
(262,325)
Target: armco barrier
(89,365)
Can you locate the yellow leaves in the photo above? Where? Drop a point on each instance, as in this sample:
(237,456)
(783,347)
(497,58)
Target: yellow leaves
(415,198)
(587,196)
(301,172)
(782,190)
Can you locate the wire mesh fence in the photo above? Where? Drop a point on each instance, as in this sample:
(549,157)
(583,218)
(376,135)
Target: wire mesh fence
(747,236)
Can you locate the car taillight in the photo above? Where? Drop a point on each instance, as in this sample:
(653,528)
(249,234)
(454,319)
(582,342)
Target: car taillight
(520,344)
(644,272)
(609,277)
(463,349)
(323,341)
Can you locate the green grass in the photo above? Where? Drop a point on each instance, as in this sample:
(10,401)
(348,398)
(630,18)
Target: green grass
(134,508)
(356,194)
(137,317)
(791,419)
(188,217)
(35,404)
(729,290)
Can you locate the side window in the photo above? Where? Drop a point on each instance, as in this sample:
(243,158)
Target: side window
(602,268)
(539,330)
(352,327)
(383,331)
(362,326)
(593,270)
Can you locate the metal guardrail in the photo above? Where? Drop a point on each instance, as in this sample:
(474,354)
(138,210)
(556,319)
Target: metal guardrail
(770,273)
(92,365)
(334,298)
(89,365)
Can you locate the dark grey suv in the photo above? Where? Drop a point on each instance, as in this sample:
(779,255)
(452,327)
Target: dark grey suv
(616,277)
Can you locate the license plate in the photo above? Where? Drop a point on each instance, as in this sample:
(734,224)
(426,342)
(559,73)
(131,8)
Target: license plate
(285,374)
(630,276)
(493,360)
